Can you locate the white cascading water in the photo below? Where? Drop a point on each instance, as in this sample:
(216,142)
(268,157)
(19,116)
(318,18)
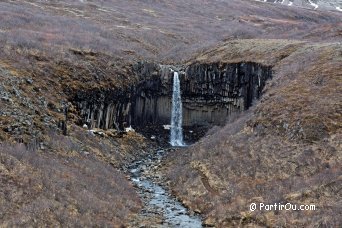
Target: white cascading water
(176,138)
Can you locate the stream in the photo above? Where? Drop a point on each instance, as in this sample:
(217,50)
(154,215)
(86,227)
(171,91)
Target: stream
(157,201)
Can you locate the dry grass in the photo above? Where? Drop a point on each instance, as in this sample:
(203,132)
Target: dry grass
(65,46)
(72,182)
(154,30)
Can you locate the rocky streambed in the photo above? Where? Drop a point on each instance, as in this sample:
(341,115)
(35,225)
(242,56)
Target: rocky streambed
(160,208)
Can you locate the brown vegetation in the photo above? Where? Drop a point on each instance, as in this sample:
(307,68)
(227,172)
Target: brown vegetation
(70,182)
(154,29)
(286,149)
(44,190)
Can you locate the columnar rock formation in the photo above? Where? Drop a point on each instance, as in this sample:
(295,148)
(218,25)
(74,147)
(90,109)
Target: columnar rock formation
(210,94)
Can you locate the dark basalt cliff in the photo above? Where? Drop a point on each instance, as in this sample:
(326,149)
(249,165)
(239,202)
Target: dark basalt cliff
(210,94)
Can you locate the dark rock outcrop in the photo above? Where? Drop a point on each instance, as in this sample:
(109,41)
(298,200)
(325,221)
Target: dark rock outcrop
(210,94)
(213,92)
(106,109)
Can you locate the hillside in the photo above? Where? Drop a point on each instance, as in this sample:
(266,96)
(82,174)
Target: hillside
(75,75)
(286,149)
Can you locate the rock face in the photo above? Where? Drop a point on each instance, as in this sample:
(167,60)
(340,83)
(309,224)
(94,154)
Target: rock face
(104,109)
(213,92)
(210,94)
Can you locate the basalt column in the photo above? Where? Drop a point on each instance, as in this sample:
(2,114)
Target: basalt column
(213,92)
(210,94)
(151,102)
(106,109)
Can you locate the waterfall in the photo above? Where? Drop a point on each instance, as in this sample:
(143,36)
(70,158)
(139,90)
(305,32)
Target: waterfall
(176,138)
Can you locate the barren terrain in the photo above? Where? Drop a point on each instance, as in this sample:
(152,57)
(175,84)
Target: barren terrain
(287,148)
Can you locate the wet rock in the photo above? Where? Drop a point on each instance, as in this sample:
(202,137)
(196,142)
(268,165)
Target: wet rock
(8,129)
(29,81)
(7,99)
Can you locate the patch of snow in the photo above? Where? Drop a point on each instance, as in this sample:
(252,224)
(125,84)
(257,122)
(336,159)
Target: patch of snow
(91,132)
(313,4)
(129,129)
(103,10)
(167,127)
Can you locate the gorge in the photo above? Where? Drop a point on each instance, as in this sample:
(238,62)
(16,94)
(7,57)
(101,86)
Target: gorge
(170,113)
(178,96)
